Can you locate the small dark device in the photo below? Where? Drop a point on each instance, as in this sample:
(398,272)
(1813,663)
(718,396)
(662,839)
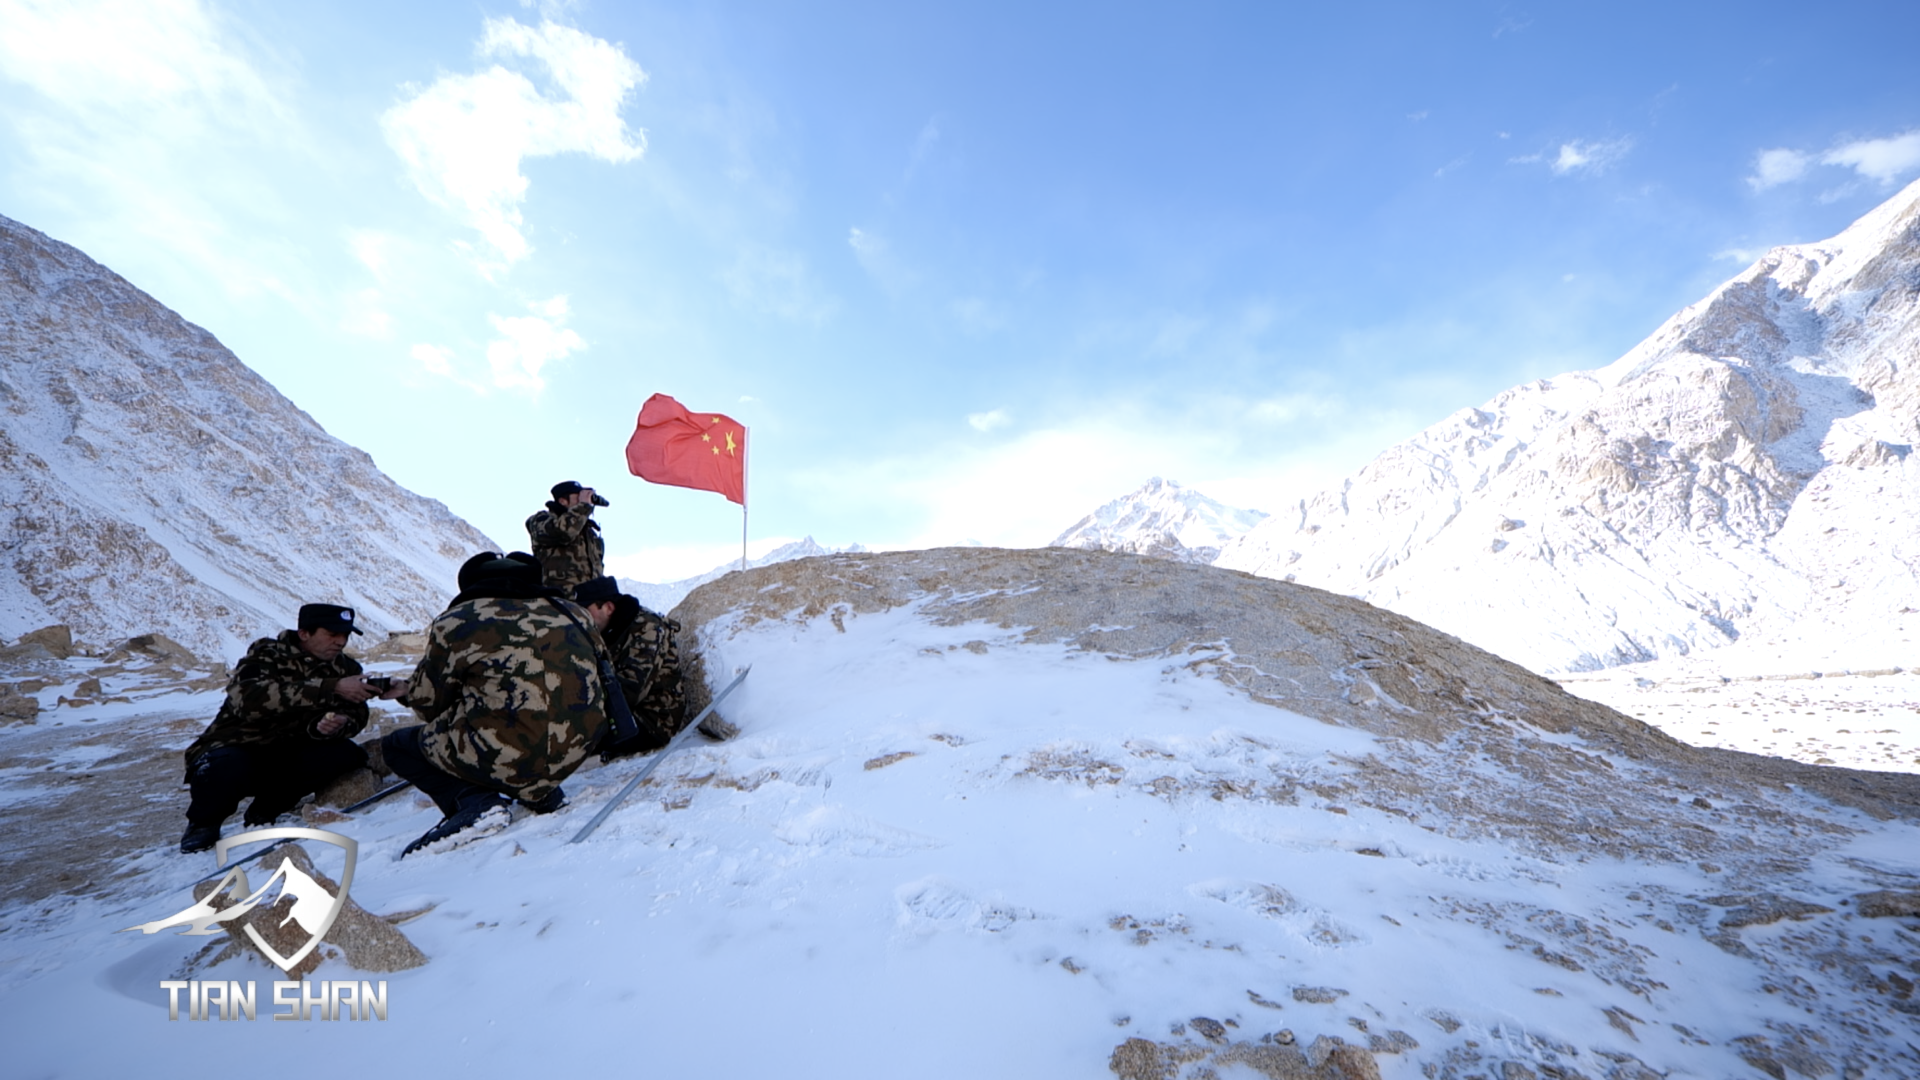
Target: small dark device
(380,683)
(597,500)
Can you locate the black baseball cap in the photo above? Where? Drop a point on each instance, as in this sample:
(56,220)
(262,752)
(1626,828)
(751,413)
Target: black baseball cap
(567,487)
(327,617)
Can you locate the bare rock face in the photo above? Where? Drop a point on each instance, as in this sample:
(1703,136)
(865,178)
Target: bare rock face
(1745,472)
(57,639)
(1327,1059)
(366,942)
(46,643)
(1887,903)
(156,646)
(17,707)
(150,481)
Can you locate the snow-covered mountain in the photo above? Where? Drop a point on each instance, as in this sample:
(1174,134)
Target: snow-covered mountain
(150,481)
(1164,520)
(662,597)
(1744,473)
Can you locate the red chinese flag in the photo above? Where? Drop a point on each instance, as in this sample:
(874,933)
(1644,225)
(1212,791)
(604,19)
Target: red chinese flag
(707,451)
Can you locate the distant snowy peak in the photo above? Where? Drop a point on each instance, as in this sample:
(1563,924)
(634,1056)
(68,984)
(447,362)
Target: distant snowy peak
(1163,520)
(1743,473)
(663,597)
(150,481)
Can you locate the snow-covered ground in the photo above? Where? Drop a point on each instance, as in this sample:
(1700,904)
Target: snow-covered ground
(947,847)
(1853,719)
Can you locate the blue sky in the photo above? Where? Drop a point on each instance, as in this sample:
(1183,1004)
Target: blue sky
(967,270)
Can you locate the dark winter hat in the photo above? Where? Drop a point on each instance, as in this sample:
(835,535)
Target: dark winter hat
(567,487)
(327,617)
(517,568)
(605,590)
(601,590)
(470,570)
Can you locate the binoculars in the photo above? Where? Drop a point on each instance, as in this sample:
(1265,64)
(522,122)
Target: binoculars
(596,500)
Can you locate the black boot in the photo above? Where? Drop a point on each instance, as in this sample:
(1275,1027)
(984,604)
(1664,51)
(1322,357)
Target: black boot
(489,813)
(555,800)
(198,838)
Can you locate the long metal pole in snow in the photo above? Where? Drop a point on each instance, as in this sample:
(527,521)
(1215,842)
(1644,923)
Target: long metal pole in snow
(746,466)
(614,803)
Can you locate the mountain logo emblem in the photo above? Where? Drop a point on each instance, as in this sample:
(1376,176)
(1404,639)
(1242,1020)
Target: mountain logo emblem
(314,909)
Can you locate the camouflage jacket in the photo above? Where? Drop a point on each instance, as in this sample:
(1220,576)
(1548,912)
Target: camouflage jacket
(647,662)
(278,693)
(567,542)
(510,691)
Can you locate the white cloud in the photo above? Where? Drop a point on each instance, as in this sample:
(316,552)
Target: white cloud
(1287,408)
(1772,168)
(145,122)
(923,147)
(1025,488)
(988,421)
(778,283)
(437,359)
(1593,157)
(1835,194)
(865,245)
(372,249)
(109,54)
(528,343)
(876,257)
(1885,160)
(463,138)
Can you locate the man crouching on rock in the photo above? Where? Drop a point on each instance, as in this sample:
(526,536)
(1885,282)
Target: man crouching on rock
(286,729)
(510,691)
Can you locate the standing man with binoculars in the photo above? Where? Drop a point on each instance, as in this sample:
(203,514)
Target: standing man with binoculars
(566,539)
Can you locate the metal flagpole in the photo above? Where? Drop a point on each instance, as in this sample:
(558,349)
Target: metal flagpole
(745,464)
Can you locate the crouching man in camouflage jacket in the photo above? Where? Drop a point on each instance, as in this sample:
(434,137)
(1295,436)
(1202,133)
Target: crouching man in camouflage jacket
(510,691)
(285,731)
(645,660)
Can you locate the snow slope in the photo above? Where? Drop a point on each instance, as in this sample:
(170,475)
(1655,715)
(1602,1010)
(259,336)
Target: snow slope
(1744,473)
(1162,519)
(1068,814)
(150,481)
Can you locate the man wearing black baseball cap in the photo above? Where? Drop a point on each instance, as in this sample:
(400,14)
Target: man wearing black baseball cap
(286,730)
(566,539)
